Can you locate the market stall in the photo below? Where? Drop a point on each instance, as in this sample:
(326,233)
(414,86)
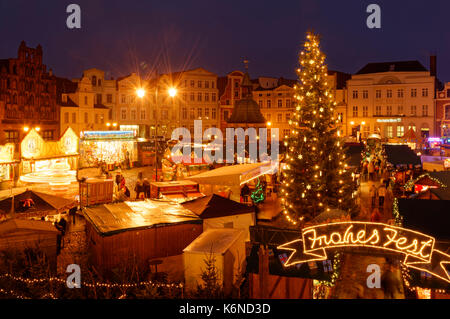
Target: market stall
(36,205)
(230,178)
(176,190)
(226,247)
(7,163)
(52,162)
(219,212)
(115,148)
(143,230)
(429,217)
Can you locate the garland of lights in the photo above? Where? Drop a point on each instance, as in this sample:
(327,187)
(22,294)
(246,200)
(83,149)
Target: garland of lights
(396,213)
(336,272)
(313,119)
(411,182)
(90,285)
(258,195)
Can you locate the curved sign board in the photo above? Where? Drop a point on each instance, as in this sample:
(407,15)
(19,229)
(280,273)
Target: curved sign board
(417,248)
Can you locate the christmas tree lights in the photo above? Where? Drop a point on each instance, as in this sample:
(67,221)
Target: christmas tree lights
(315,178)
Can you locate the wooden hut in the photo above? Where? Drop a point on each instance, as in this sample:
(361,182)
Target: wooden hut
(31,204)
(142,230)
(220,212)
(20,234)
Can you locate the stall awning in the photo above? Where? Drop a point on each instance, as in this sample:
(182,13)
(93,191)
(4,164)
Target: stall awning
(234,174)
(213,206)
(401,155)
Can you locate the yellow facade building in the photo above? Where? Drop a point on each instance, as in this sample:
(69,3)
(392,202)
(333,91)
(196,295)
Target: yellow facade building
(389,99)
(79,109)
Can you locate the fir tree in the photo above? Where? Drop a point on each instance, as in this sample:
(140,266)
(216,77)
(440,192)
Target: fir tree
(315,178)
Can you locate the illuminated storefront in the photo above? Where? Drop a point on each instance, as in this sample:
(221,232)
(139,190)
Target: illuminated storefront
(6,162)
(114,148)
(52,162)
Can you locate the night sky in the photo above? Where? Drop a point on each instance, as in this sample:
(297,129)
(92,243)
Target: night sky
(121,37)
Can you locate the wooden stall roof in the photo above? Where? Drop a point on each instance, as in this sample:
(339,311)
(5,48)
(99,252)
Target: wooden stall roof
(217,206)
(110,219)
(42,201)
(35,225)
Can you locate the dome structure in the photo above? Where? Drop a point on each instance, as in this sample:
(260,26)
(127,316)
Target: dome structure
(246,110)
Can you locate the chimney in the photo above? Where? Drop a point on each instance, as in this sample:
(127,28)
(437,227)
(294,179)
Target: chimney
(433,65)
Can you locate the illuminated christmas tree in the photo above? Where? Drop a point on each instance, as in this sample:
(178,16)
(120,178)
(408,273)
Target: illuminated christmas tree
(315,178)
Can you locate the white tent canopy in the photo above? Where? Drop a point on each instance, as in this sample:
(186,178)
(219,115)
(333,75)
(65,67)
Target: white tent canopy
(234,175)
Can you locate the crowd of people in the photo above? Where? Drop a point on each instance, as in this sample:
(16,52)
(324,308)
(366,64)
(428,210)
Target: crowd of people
(122,192)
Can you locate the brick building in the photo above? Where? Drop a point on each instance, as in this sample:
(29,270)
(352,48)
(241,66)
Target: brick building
(27,97)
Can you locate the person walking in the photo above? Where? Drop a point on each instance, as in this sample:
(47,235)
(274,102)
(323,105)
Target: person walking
(390,283)
(376,216)
(245,192)
(373,194)
(381,194)
(146,187)
(139,189)
(371,169)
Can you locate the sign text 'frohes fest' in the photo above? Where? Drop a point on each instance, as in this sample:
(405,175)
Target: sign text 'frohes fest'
(418,248)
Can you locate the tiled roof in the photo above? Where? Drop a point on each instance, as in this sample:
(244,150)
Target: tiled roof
(399,66)
(69,103)
(100,106)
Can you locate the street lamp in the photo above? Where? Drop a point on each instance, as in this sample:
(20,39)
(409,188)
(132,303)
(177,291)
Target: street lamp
(172,92)
(140,92)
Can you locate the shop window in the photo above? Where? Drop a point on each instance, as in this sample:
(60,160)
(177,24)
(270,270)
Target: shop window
(400,131)
(389,131)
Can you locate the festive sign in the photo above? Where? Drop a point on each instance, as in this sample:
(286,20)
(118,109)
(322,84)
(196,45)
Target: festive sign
(418,248)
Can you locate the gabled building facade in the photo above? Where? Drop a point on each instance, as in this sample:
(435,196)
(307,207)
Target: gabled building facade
(27,97)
